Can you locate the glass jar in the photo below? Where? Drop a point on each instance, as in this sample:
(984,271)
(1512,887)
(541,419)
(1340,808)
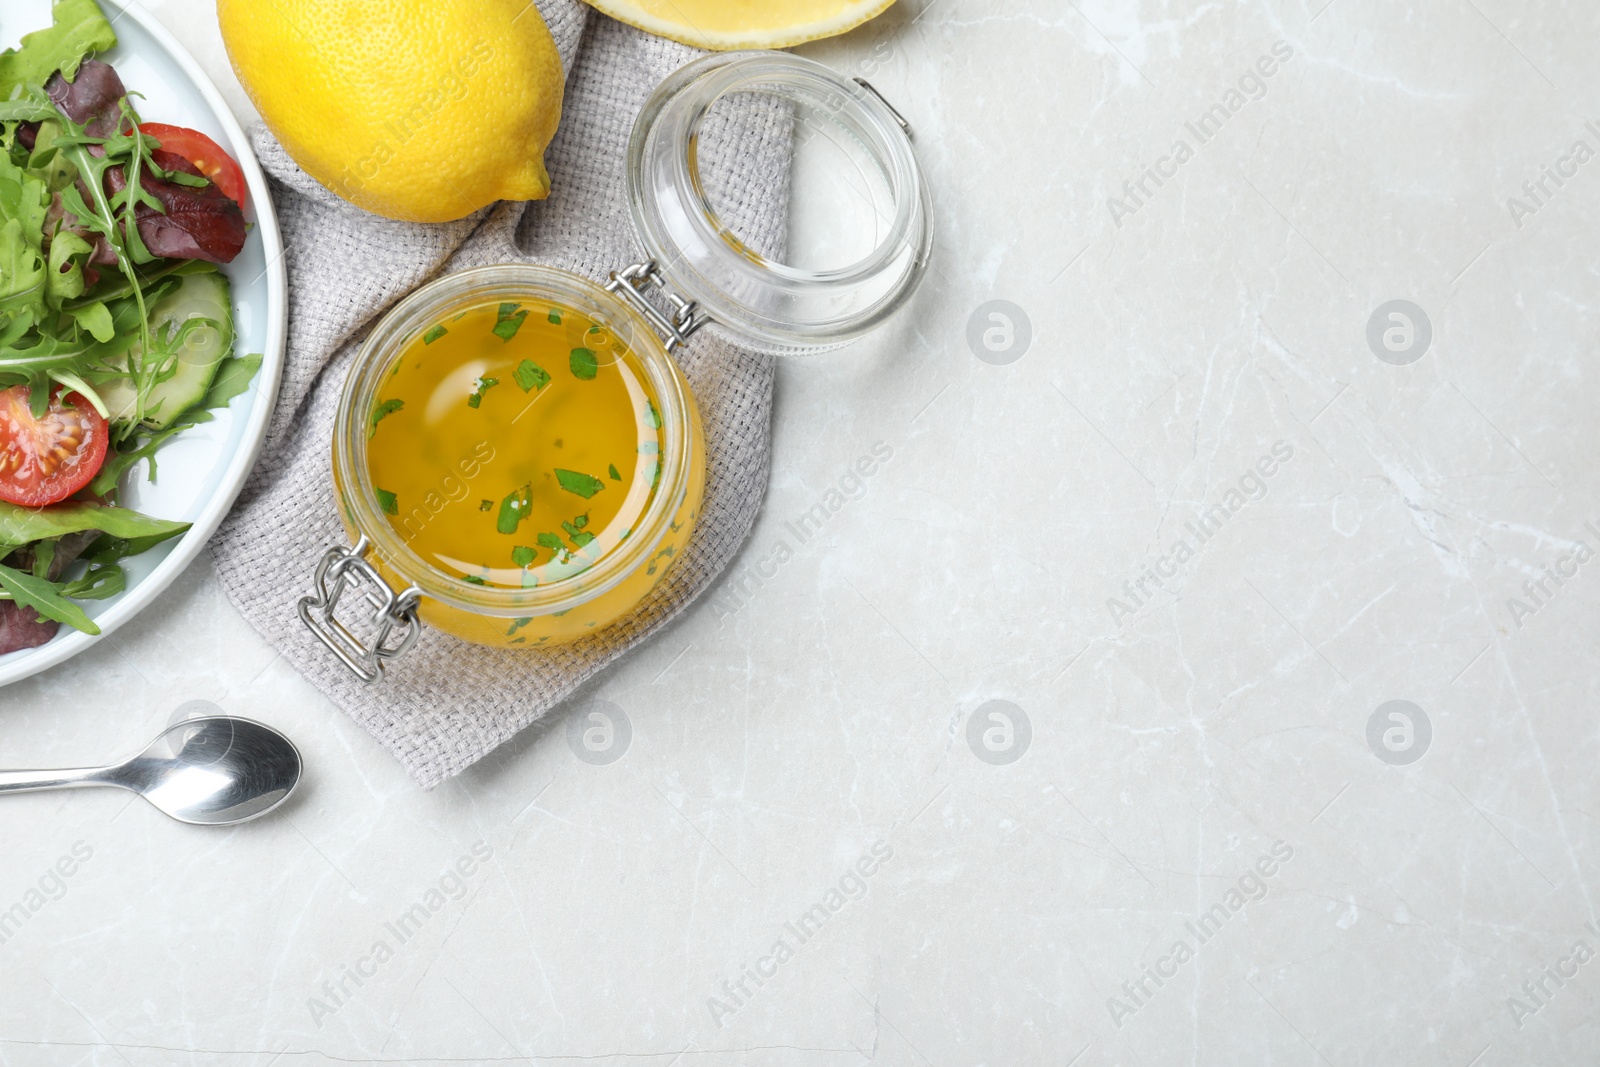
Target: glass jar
(698,273)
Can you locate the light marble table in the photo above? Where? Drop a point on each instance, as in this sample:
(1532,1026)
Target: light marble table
(1197,526)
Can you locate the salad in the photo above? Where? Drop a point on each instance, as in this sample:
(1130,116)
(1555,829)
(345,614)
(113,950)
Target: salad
(116,327)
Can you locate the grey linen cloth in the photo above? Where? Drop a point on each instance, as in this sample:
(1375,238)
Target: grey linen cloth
(446,704)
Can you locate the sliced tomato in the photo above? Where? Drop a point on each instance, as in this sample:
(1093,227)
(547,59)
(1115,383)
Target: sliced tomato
(48,459)
(208,157)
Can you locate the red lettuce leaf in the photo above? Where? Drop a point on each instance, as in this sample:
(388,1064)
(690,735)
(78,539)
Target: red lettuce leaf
(22,627)
(200,222)
(92,99)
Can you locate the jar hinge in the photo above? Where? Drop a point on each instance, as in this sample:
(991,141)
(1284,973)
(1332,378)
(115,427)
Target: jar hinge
(634,281)
(339,570)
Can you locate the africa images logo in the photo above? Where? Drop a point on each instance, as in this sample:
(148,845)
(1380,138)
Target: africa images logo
(1537,991)
(999,732)
(51,886)
(1251,86)
(851,886)
(1538,192)
(1539,592)
(739,588)
(452,885)
(1251,486)
(1249,888)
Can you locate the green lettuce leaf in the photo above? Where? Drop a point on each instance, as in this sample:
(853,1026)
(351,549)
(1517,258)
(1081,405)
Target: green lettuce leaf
(97,320)
(22,272)
(79,29)
(67,253)
(20,525)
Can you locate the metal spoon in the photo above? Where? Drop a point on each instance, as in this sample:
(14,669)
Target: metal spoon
(211,771)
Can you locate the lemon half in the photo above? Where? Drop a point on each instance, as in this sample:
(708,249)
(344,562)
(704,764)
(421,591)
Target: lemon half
(722,25)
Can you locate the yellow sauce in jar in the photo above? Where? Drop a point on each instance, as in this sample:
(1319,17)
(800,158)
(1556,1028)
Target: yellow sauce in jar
(513,445)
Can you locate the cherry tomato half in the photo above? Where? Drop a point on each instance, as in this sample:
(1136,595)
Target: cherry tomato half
(208,157)
(46,460)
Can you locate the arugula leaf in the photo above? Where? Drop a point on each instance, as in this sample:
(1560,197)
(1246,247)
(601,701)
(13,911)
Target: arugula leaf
(522,555)
(434,334)
(551,541)
(508,321)
(44,554)
(387,501)
(555,316)
(179,177)
(79,28)
(97,583)
(585,485)
(531,376)
(486,505)
(584,365)
(612,470)
(384,409)
(20,525)
(108,548)
(45,598)
(233,378)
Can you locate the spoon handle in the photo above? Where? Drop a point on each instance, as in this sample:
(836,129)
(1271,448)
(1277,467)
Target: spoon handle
(32,781)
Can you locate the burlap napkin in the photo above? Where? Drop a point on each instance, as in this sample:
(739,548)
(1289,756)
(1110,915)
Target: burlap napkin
(446,704)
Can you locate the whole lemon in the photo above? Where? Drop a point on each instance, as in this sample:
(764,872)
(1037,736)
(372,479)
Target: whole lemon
(413,109)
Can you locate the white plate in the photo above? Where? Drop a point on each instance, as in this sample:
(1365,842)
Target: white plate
(203,468)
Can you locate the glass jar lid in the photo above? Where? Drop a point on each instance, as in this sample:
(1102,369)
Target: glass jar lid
(857,199)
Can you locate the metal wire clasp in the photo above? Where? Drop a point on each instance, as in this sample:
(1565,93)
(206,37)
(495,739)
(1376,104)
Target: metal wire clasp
(898,118)
(339,570)
(633,282)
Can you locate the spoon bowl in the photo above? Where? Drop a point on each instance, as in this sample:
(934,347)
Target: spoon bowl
(216,770)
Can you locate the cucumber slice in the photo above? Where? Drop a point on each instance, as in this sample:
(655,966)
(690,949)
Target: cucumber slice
(201,349)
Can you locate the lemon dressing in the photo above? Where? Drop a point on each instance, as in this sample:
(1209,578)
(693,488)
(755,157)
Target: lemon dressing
(514,445)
